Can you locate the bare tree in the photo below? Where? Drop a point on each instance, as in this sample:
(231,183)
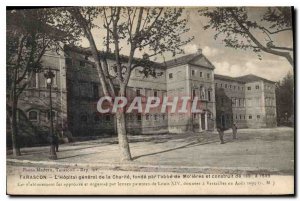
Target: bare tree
(149,30)
(238,30)
(30,33)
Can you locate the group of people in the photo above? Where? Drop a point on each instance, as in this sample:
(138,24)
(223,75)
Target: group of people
(221,132)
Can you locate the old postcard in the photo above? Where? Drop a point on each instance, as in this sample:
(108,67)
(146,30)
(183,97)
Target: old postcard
(150,101)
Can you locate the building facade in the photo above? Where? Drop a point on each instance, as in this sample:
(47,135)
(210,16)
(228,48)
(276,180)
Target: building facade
(249,100)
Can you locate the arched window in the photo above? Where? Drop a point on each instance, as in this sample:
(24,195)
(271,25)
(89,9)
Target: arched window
(33,115)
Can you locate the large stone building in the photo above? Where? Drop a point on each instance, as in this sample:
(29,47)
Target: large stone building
(247,100)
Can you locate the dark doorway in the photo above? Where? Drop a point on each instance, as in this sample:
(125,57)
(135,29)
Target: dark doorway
(203,121)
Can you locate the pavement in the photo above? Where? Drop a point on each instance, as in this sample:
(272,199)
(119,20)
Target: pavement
(255,150)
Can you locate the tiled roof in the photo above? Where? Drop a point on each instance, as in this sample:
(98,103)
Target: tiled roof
(109,55)
(181,60)
(252,78)
(224,77)
(242,79)
(195,59)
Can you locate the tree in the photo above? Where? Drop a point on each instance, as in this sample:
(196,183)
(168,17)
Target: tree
(151,30)
(239,30)
(30,33)
(285,99)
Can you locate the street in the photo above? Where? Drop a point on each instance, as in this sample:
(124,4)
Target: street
(269,150)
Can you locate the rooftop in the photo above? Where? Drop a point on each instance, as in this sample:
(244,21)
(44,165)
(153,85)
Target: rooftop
(197,59)
(243,79)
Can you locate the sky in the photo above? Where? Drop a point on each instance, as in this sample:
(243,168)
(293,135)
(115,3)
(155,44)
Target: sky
(227,61)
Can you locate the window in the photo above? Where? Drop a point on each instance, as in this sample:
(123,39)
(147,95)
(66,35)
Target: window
(85,89)
(155,94)
(258,116)
(240,116)
(222,101)
(138,92)
(195,116)
(155,117)
(233,102)
(250,116)
(239,102)
(257,87)
(81,63)
(209,115)
(194,93)
(147,116)
(249,88)
(208,75)
(83,118)
(230,86)
(163,116)
(238,87)
(225,85)
(96,117)
(170,75)
(209,95)
(216,84)
(95,91)
(221,85)
(234,87)
(33,115)
(34,81)
(200,74)
(236,116)
(202,93)
(193,72)
(107,118)
(139,117)
(69,61)
(53,115)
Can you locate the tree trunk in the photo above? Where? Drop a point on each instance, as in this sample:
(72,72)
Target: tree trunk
(14,128)
(122,136)
(121,129)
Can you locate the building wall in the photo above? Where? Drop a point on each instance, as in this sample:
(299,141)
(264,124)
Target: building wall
(84,90)
(35,99)
(178,86)
(77,89)
(252,103)
(202,86)
(155,121)
(255,107)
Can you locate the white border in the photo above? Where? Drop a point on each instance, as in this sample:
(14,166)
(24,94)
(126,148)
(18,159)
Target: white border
(3,4)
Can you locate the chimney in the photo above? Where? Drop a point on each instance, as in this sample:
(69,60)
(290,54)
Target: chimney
(199,51)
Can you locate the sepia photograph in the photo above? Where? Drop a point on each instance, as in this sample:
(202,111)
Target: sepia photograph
(165,100)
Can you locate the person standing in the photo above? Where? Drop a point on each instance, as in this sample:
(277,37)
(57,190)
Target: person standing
(221,134)
(234,130)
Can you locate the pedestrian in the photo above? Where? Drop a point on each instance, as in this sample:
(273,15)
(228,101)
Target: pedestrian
(234,130)
(56,141)
(221,134)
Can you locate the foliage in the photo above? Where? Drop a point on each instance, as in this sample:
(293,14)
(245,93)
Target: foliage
(30,33)
(239,29)
(285,99)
